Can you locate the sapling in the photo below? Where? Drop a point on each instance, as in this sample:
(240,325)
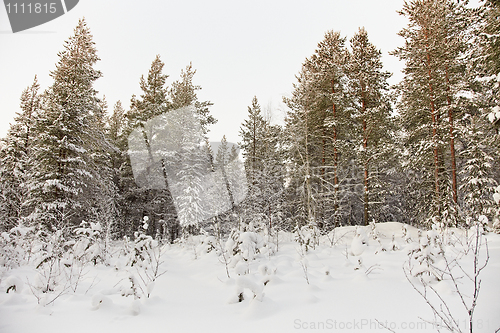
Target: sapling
(145,258)
(307,236)
(466,284)
(406,234)
(394,246)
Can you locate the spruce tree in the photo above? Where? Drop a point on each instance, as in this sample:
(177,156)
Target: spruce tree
(251,133)
(14,157)
(478,184)
(189,169)
(61,166)
(222,160)
(264,168)
(301,208)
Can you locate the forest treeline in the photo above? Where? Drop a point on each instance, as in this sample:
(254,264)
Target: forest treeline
(352,150)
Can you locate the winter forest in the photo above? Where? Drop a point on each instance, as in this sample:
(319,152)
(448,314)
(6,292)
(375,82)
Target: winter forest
(373,207)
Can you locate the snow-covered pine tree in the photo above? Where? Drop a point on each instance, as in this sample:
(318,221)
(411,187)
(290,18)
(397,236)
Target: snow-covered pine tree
(61,169)
(320,103)
(152,102)
(300,205)
(138,202)
(116,123)
(190,167)
(14,157)
(102,191)
(264,167)
(226,188)
(222,160)
(273,177)
(435,44)
(491,30)
(485,57)
(252,144)
(371,109)
(478,185)
(330,124)
(183,93)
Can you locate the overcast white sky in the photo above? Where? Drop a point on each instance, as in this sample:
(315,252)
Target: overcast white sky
(239,48)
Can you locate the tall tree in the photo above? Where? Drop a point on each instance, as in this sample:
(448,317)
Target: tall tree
(319,118)
(183,93)
(264,168)
(189,169)
(61,169)
(368,87)
(327,67)
(14,156)
(143,201)
(251,133)
(430,95)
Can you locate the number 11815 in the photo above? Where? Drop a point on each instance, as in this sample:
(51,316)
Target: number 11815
(29,8)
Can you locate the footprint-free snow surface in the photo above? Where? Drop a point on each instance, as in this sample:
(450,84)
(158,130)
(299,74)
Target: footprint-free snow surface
(352,282)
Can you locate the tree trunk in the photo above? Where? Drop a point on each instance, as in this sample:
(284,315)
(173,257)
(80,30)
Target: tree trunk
(434,117)
(452,141)
(365,146)
(335,152)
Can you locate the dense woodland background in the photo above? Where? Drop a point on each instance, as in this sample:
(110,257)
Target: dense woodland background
(352,150)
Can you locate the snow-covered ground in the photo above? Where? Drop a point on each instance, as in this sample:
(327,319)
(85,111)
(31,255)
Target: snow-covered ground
(347,283)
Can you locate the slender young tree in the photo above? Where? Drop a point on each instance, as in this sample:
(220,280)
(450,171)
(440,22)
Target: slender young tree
(222,160)
(478,184)
(251,133)
(297,134)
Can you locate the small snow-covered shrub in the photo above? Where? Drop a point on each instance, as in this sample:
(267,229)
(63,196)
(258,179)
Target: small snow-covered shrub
(15,246)
(307,236)
(394,245)
(247,283)
(89,246)
(144,262)
(54,267)
(406,234)
(247,244)
(359,242)
(206,244)
(424,254)
(464,280)
(375,235)
(13,284)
